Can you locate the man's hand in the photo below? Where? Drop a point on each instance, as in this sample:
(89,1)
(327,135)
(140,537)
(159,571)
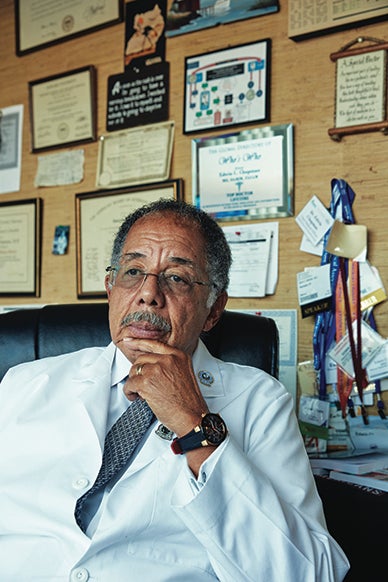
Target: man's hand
(167,382)
(164,377)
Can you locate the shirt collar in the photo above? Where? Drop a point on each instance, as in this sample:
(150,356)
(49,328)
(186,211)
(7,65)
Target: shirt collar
(120,367)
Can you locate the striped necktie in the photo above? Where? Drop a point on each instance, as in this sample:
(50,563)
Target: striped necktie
(120,442)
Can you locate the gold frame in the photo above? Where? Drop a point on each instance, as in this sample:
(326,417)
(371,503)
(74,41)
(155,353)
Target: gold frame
(36,30)
(22,237)
(98,217)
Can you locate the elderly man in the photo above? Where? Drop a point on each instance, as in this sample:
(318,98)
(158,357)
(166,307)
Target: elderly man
(204,474)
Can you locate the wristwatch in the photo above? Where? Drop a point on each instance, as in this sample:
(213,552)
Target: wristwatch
(211,431)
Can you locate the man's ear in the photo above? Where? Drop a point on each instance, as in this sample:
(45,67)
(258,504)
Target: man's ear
(216,311)
(108,286)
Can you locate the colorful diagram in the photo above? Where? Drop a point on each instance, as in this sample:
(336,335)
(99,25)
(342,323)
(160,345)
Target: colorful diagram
(226,92)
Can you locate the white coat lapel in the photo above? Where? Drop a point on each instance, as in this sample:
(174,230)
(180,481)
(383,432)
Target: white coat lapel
(94,384)
(207,372)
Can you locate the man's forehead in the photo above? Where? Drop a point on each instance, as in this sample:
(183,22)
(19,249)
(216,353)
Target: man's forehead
(177,260)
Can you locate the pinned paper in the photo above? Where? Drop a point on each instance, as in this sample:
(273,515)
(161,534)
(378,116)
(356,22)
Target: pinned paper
(315,220)
(372,289)
(314,290)
(254,268)
(348,241)
(60,169)
(378,366)
(371,342)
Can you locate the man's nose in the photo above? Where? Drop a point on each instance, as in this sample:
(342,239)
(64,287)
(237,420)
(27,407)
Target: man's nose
(150,291)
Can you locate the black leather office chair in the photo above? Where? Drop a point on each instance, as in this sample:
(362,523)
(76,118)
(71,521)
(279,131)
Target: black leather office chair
(31,334)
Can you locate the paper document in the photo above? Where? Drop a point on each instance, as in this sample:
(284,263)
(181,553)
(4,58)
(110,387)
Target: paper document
(254,259)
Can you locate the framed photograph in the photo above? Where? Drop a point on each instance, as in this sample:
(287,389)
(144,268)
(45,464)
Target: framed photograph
(98,218)
(246,175)
(41,24)
(20,244)
(227,87)
(63,109)
(309,19)
(361,88)
(189,16)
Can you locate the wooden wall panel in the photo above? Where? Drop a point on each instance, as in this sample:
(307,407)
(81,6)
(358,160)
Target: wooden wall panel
(302,93)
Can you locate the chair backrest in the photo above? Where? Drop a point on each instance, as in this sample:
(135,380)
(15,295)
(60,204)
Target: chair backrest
(31,334)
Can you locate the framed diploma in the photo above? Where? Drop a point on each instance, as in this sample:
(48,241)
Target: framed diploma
(98,218)
(41,24)
(361,88)
(20,247)
(308,19)
(227,87)
(246,175)
(135,156)
(63,109)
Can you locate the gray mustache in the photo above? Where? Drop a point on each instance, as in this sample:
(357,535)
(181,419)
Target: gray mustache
(149,317)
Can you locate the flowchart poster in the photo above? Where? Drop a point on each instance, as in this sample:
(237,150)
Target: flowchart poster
(227,87)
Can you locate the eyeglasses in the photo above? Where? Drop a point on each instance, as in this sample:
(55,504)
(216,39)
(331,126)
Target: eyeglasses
(170,281)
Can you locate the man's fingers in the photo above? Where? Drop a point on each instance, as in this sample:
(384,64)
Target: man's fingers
(147,346)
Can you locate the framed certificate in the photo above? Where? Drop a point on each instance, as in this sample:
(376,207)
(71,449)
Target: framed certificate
(135,156)
(98,218)
(20,247)
(227,87)
(361,88)
(246,175)
(41,24)
(63,109)
(308,19)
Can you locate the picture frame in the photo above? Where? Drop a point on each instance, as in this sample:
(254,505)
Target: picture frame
(227,87)
(39,26)
(63,109)
(361,88)
(138,155)
(246,175)
(20,242)
(98,217)
(311,19)
(184,17)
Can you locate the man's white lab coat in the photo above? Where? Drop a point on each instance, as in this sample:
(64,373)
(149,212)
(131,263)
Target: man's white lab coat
(256,515)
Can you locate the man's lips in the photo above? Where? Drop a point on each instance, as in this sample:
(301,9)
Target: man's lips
(144,330)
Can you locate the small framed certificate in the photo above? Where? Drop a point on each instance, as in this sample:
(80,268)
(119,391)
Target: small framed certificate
(246,175)
(98,218)
(227,87)
(63,109)
(135,156)
(20,247)
(41,24)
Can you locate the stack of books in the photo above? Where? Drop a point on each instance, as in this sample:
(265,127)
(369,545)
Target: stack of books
(363,468)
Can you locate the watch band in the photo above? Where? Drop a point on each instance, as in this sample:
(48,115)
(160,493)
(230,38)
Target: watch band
(211,432)
(192,440)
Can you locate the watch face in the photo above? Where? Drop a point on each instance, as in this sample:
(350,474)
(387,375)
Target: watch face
(213,428)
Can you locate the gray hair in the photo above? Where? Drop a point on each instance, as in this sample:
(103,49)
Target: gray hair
(218,255)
